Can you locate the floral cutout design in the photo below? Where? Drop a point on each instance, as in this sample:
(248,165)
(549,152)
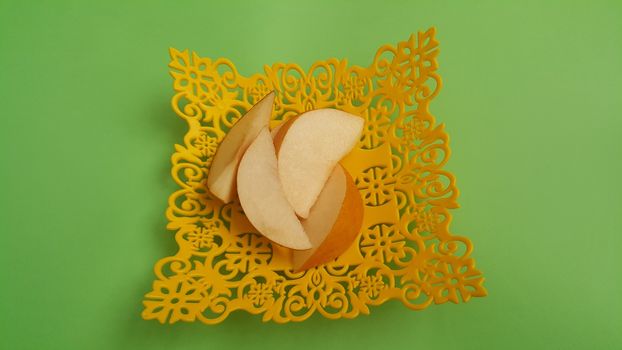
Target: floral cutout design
(248,251)
(405,251)
(173,299)
(382,242)
(375,186)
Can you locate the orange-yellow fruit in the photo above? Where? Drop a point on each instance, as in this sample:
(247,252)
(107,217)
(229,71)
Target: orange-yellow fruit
(334,221)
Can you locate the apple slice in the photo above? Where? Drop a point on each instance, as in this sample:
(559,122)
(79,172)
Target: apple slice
(308,148)
(262,197)
(334,221)
(221,176)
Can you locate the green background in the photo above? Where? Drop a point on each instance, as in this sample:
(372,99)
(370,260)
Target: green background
(532,101)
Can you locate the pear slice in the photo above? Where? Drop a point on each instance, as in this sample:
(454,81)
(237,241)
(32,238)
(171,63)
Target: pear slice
(222,173)
(308,148)
(262,197)
(334,221)
(275,130)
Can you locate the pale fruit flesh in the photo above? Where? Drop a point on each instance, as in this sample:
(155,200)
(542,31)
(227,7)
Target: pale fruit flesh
(334,221)
(275,131)
(221,179)
(308,148)
(262,198)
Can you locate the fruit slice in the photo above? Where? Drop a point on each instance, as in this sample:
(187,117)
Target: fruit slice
(221,176)
(275,130)
(308,148)
(334,221)
(262,197)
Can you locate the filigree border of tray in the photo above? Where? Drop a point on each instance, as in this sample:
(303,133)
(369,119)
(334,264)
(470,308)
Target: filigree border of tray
(222,265)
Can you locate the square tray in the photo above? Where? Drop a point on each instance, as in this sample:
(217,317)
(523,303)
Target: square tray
(404,251)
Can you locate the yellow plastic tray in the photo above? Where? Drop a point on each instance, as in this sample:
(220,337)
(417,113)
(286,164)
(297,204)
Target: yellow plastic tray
(404,251)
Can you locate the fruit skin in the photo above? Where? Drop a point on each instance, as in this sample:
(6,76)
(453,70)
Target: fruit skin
(343,232)
(308,148)
(262,197)
(221,179)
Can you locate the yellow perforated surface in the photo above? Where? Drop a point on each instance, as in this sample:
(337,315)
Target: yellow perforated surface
(405,250)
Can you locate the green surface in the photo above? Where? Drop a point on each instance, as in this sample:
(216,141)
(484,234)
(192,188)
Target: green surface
(532,101)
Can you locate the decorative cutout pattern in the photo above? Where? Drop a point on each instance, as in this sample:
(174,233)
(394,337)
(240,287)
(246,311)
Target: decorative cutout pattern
(405,250)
